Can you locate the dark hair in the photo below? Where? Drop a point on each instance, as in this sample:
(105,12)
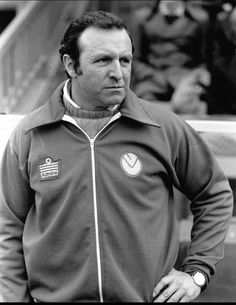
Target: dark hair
(98,19)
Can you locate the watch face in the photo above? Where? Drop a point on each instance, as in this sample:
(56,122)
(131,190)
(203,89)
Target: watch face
(199,278)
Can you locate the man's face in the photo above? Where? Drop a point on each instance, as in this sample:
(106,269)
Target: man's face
(105,66)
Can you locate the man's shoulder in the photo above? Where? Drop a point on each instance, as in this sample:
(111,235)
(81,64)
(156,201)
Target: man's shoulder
(49,111)
(28,119)
(20,136)
(198,13)
(161,112)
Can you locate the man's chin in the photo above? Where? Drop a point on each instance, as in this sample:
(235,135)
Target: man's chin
(118,97)
(115,100)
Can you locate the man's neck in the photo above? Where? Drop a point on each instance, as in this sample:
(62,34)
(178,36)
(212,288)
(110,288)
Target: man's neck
(90,121)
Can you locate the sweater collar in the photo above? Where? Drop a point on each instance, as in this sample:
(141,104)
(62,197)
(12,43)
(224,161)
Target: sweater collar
(53,110)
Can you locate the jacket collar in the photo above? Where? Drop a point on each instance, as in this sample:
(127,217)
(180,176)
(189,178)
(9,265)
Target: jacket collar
(137,109)
(53,110)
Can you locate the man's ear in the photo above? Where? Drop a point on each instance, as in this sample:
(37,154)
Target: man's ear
(69,66)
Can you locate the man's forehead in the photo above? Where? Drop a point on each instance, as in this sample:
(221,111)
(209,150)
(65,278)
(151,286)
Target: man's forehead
(93,37)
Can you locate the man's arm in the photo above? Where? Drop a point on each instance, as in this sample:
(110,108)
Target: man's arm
(15,198)
(200,178)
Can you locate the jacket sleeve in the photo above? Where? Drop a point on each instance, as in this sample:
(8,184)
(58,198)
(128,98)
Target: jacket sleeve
(15,200)
(202,180)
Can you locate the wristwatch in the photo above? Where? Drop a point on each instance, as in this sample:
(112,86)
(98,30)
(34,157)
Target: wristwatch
(199,279)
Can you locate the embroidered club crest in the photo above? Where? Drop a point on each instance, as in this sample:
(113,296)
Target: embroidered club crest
(49,169)
(131,164)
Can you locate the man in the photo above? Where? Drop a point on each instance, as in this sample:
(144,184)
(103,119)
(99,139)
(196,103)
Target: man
(170,47)
(87,207)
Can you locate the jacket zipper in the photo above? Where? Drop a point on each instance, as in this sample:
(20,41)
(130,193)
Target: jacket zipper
(96,221)
(91,141)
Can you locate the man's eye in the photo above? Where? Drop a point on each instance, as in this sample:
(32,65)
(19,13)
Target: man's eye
(103,60)
(125,60)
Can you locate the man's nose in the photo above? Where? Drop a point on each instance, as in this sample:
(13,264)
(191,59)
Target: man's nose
(116,71)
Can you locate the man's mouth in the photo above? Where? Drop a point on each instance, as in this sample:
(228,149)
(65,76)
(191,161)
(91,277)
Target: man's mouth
(115,87)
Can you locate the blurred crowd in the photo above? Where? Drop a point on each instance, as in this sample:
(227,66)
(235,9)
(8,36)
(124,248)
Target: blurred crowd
(186,55)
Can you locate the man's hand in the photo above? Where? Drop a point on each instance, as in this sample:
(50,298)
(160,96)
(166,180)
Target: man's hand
(176,286)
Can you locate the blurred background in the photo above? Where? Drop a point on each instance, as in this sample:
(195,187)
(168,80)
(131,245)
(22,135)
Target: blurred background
(185,60)
(184,51)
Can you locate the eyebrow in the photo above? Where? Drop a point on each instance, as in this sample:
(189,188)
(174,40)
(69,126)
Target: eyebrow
(109,54)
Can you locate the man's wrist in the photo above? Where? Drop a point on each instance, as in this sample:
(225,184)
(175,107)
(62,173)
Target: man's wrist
(199,278)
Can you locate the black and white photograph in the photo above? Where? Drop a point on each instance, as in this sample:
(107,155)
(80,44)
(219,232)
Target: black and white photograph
(118,151)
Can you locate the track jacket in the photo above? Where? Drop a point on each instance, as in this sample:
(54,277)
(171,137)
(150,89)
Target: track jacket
(94,219)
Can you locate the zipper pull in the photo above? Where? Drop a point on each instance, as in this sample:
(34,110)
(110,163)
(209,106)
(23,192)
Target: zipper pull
(91,142)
